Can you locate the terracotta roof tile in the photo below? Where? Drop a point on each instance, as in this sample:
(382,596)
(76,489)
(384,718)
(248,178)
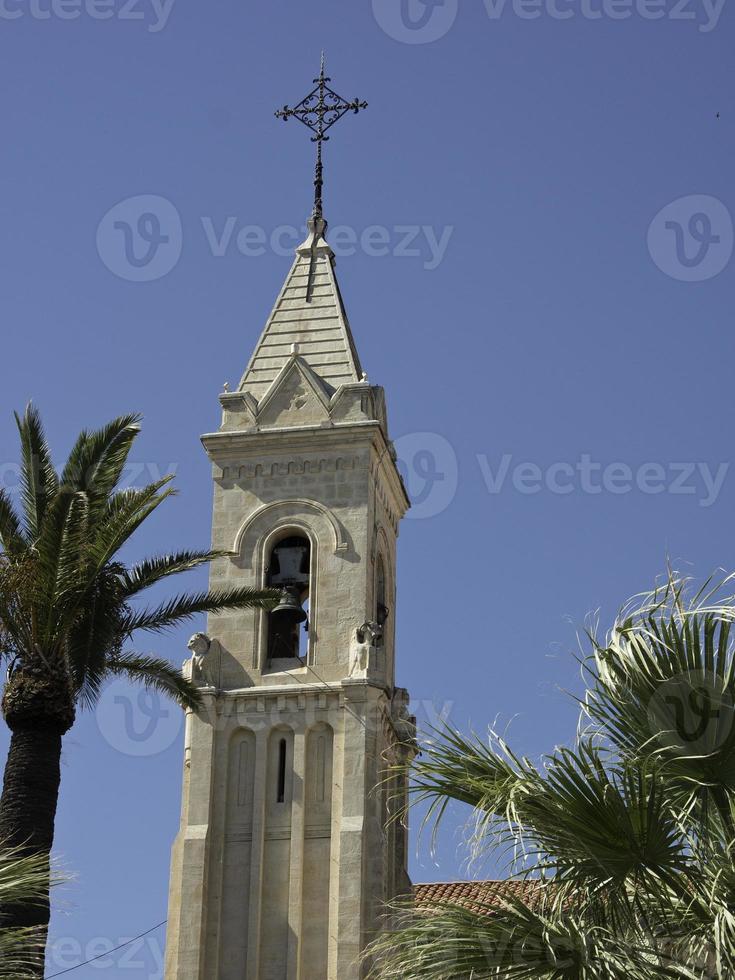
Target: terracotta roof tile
(477,895)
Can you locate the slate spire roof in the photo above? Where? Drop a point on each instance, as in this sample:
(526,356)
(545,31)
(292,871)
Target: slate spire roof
(310,314)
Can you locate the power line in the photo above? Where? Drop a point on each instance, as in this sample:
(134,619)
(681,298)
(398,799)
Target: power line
(109,951)
(327,687)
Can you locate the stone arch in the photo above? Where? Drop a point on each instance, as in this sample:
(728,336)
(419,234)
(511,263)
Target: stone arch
(383,554)
(261,531)
(280,511)
(382,549)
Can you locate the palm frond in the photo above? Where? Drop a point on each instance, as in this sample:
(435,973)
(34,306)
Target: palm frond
(123,515)
(605,828)
(24,880)
(181,608)
(484,775)
(11,533)
(632,829)
(98,458)
(513,940)
(96,636)
(39,480)
(662,687)
(158,675)
(49,548)
(154,570)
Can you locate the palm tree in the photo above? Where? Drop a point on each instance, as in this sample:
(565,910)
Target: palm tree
(68,609)
(624,842)
(24,880)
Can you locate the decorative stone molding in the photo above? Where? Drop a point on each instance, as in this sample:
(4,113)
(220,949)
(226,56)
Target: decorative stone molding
(298,465)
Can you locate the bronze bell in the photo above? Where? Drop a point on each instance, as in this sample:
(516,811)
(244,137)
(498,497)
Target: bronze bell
(289,609)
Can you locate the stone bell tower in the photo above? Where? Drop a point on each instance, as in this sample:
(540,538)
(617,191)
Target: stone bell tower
(287,854)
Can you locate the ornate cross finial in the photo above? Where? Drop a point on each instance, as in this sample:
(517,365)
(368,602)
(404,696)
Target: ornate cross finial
(320,110)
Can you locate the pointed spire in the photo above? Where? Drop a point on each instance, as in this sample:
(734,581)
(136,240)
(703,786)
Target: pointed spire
(309,314)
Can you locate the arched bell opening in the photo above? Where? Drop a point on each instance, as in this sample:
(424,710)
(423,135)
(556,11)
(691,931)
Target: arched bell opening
(381,598)
(289,569)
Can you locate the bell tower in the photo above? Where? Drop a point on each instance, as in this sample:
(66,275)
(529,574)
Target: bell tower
(286,853)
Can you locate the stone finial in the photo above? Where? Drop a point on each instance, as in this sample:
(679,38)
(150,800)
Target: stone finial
(226,386)
(315,242)
(295,348)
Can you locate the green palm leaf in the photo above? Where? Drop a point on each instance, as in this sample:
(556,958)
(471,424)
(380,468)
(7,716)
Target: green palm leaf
(628,834)
(158,675)
(181,608)
(97,460)
(39,481)
(154,570)
(66,614)
(11,534)
(25,879)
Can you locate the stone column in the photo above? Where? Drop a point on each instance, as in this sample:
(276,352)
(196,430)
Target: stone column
(188,894)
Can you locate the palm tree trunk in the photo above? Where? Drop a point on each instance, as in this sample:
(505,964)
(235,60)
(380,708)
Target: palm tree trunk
(27,813)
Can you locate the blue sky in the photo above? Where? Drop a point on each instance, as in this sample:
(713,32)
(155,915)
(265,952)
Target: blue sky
(555,338)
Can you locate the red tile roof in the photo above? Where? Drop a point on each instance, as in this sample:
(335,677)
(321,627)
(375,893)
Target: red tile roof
(477,895)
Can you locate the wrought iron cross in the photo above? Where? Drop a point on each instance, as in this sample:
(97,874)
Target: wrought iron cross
(320,110)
